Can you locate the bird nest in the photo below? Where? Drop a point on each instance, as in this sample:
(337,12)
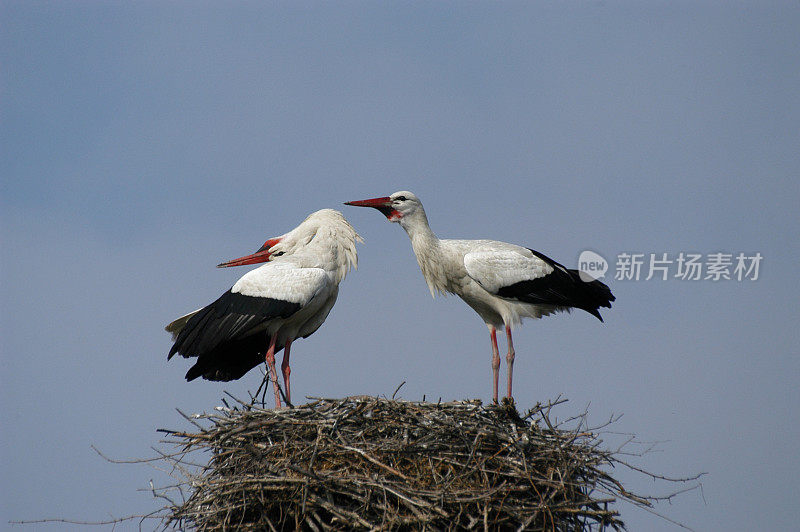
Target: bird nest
(368,463)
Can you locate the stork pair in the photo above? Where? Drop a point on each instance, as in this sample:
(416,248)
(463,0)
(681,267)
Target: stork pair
(290,296)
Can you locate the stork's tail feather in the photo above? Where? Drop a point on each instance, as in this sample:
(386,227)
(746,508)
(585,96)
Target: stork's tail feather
(177,326)
(594,294)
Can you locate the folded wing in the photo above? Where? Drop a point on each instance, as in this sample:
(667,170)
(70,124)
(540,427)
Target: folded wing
(531,277)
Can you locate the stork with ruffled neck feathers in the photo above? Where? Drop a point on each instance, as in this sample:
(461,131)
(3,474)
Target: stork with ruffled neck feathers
(287,298)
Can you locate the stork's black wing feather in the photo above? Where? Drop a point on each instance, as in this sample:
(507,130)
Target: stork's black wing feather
(562,287)
(225,334)
(231,360)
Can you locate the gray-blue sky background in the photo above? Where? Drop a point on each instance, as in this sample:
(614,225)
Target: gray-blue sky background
(142,144)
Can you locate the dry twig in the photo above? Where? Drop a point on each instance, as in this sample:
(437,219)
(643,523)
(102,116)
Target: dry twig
(368,463)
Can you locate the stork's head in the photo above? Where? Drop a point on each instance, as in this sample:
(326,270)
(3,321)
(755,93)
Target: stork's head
(398,207)
(285,244)
(325,236)
(272,248)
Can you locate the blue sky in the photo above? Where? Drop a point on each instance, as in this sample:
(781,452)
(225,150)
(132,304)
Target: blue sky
(141,144)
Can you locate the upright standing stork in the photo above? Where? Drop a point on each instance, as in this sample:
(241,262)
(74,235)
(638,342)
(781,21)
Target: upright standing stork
(502,282)
(287,298)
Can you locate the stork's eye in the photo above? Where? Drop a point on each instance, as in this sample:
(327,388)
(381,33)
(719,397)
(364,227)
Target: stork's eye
(400,198)
(278,254)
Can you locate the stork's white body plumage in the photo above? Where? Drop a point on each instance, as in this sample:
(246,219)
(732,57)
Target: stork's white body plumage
(504,283)
(287,298)
(476,270)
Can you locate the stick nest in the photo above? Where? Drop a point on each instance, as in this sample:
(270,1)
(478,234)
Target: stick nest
(368,463)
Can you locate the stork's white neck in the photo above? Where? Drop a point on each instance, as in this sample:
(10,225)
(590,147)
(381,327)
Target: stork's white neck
(416,225)
(427,248)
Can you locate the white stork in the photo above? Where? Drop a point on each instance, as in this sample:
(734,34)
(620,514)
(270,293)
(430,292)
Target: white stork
(503,283)
(289,297)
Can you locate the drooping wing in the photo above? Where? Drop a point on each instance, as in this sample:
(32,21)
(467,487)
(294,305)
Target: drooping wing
(535,278)
(231,360)
(274,291)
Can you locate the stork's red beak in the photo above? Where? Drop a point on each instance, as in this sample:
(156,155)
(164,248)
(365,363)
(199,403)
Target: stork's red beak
(382,204)
(374,202)
(262,255)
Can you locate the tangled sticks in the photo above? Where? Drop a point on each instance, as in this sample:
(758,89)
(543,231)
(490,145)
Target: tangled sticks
(367,463)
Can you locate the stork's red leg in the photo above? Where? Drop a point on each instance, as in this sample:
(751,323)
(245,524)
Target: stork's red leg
(286,370)
(495,361)
(273,374)
(510,359)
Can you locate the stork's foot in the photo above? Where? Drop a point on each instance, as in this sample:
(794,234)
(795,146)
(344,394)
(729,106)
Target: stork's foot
(509,407)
